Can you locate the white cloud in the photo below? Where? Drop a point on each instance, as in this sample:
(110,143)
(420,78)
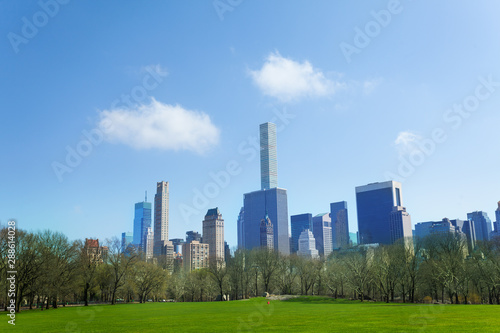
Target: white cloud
(288,80)
(370,85)
(160,126)
(407,142)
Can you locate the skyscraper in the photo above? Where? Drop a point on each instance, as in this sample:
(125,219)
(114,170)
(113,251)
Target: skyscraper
(149,243)
(266,233)
(299,223)
(270,199)
(240,226)
(482,225)
(374,206)
(497,215)
(268,156)
(142,221)
(307,245)
(467,227)
(161,218)
(127,238)
(400,226)
(340,225)
(213,235)
(193,236)
(322,231)
(256,205)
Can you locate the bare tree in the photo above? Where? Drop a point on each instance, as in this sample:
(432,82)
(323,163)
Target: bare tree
(218,273)
(121,263)
(267,264)
(359,272)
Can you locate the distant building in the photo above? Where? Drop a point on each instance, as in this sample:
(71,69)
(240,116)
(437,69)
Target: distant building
(353,238)
(497,214)
(161,218)
(227,252)
(340,225)
(127,238)
(268,156)
(266,233)
(424,229)
(467,227)
(400,226)
(177,244)
(97,254)
(322,231)
(256,204)
(307,245)
(213,234)
(165,254)
(240,227)
(195,255)
(142,221)
(496,225)
(149,244)
(298,224)
(269,200)
(482,225)
(375,203)
(193,236)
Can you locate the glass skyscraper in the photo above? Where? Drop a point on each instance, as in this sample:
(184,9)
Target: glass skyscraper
(142,221)
(340,224)
(299,223)
(241,222)
(268,156)
(482,225)
(127,238)
(256,205)
(270,200)
(375,203)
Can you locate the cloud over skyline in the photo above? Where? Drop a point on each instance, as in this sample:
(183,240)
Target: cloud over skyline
(160,126)
(406,142)
(289,80)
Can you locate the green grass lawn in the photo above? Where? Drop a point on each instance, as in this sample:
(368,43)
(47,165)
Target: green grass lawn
(311,314)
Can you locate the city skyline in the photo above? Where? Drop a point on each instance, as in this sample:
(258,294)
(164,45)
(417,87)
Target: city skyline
(411,102)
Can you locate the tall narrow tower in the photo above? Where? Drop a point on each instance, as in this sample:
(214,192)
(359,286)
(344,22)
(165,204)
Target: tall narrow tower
(213,235)
(161,217)
(268,157)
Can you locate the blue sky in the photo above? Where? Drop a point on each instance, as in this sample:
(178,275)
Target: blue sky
(175,91)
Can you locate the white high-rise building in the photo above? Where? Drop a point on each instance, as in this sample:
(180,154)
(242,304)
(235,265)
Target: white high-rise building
(307,245)
(161,218)
(268,156)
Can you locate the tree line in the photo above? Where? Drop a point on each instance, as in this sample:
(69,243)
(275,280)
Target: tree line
(53,271)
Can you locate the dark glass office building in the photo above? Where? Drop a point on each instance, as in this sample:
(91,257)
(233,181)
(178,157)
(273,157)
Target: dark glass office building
(340,224)
(374,206)
(256,204)
(482,225)
(299,223)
